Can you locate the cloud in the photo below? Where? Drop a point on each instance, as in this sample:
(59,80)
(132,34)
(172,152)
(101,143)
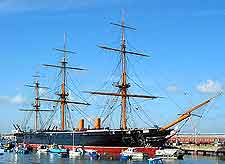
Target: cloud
(172,88)
(210,86)
(18,99)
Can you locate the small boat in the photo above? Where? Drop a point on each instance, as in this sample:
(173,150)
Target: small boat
(132,153)
(170,153)
(58,149)
(8,147)
(42,149)
(155,161)
(21,150)
(91,153)
(63,155)
(75,152)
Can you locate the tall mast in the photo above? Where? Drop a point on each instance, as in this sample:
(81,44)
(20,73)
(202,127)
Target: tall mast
(63,95)
(36,105)
(124,83)
(123,86)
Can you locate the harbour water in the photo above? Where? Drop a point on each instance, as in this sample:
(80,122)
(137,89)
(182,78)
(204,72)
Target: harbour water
(35,158)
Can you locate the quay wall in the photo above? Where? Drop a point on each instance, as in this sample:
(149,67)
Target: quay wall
(198,139)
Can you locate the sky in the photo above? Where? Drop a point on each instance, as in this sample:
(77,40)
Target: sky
(184,39)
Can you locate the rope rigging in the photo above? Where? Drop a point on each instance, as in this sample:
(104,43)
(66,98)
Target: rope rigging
(82,113)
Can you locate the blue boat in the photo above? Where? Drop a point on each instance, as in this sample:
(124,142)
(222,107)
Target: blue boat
(91,153)
(58,149)
(155,161)
(23,151)
(124,158)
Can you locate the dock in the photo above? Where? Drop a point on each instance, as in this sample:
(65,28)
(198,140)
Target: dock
(205,150)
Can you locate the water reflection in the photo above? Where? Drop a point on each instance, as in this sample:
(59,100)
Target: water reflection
(50,158)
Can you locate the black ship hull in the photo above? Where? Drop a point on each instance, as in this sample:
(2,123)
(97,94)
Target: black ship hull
(101,137)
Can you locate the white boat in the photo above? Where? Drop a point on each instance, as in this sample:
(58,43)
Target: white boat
(21,149)
(170,153)
(43,149)
(75,152)
(155,161)
(131,153)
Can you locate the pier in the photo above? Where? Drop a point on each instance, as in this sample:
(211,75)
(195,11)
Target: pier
(201,144)
(205,150)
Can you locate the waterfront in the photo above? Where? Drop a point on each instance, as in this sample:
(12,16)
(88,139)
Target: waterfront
(36,158)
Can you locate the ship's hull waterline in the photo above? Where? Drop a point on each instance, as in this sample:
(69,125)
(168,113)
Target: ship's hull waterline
(112,138)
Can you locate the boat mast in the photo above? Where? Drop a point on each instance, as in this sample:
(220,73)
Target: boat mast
(36,105)
(123,86)
(124,79)
(63,95)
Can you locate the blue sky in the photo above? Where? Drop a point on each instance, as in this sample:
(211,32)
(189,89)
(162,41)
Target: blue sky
(184,39)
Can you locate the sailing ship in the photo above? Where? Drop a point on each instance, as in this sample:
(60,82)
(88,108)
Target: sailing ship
(99,136)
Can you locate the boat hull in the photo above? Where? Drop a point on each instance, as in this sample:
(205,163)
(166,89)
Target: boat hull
(113,138)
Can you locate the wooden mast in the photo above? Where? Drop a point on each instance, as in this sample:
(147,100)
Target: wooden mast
(123,86)
(63,95)
(36,105)
(124,80)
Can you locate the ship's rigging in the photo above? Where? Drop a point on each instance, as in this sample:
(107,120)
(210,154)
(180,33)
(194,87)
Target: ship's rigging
(63,94)
(122,91)
(36,105)
(123,86)
(126,135)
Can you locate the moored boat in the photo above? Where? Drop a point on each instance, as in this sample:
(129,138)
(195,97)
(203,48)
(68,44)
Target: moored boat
(91,153)
(43,149)
(75,153)
(155,161)
(8,147)
(132,154)
(20,149)
(58,149)
(171,153)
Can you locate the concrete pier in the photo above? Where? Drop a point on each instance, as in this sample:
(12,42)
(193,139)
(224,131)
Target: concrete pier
(205,150)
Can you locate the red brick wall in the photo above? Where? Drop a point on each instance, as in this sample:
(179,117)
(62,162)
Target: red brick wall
(197,139)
